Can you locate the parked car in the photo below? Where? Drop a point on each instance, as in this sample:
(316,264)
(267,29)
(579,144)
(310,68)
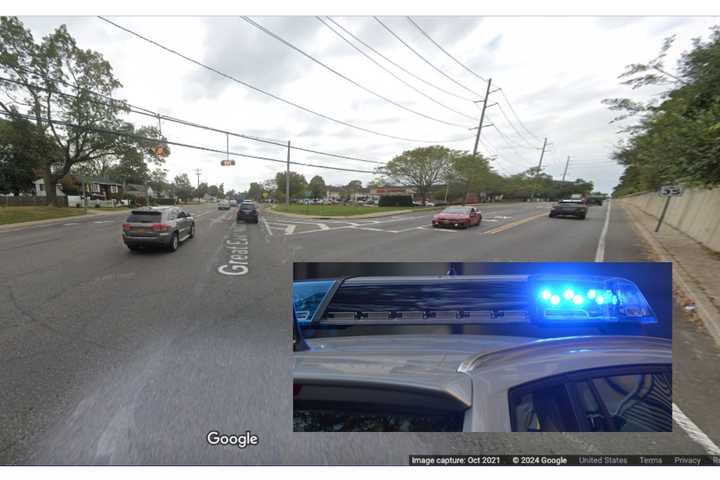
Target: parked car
(505,353)
(572,207)
(223,205)
(233,203)
(457,217)
(165,227)
(247,213)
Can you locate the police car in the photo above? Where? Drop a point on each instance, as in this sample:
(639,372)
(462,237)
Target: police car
(494,353)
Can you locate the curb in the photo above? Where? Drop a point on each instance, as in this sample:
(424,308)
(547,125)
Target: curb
(704,307)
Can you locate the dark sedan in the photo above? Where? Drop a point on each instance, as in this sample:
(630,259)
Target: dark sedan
(569,208)
(247,213)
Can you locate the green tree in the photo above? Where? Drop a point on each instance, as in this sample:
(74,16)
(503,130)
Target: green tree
(298,184)
(22,150)
(255,191)
(38,77)
(317,187)
(182,186)
(420,168)
(676,137)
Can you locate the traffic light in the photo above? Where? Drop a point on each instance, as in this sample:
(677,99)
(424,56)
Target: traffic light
(227,163)
(160,151)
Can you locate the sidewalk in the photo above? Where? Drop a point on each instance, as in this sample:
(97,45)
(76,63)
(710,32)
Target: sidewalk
(695,267)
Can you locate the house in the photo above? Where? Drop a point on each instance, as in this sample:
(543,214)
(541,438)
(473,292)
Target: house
(136,190)
(98,188)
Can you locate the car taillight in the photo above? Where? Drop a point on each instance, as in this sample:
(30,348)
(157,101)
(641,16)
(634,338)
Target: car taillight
(127,226)
(160,227)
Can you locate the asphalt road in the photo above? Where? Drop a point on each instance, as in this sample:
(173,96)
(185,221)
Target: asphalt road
(116,357)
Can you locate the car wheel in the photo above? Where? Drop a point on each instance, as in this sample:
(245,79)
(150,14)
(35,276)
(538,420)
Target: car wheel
(173,242)
(192,231)
(133,248)
(582,217)
(551,215)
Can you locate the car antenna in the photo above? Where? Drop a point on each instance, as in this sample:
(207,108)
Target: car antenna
(299,343)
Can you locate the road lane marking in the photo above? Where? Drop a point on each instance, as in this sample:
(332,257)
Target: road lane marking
(679,417)
(70,224)
(694,431)
(104,221)
(510,225)
(267,227)
(600,252)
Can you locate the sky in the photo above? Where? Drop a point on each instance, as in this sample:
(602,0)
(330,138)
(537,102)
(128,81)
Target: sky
(554,72)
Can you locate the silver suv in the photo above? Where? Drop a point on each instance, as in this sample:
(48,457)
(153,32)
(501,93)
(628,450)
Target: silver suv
(158,227)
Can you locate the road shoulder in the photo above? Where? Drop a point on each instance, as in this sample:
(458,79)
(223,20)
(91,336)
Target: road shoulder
(695,267)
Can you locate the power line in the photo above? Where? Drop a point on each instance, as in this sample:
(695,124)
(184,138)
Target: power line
(424,59)
(517,132)
(507,100)
(476,75)
(391,73)
(346,78)
(149,113)
(445,51)
(188,145)
(264,92)
(400,67)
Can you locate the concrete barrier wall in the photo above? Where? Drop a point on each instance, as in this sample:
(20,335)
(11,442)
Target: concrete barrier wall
(696,213)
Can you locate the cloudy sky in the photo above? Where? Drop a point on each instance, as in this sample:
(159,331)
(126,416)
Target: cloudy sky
(553,70)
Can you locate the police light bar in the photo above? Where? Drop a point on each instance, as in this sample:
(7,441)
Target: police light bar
(568,300)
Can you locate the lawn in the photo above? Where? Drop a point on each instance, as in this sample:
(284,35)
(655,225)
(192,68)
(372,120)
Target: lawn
(335,210)
(10,215)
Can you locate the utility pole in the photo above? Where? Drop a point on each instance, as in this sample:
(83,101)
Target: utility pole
(566,167)
(287,178)
(539,168)
(197,173)
(482,116)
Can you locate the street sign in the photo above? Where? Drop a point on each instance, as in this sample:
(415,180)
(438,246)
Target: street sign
(227,163)
(670,191)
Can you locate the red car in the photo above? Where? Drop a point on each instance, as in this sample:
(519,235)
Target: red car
(457,217)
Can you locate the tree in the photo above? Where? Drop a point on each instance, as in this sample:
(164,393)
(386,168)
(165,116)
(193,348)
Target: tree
(255,192)
(470,171)
(317,187)
(58,85)
(298,184)
(676,137)
(22,150)
(182,186)
(201,190)
(158,180)
(213,191)
(420,168)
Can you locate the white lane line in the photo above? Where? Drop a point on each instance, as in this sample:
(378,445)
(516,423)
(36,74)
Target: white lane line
(70,224)
(694,431)
(600,253)
(289,229)
(267,227)
(104,221)
(679,417)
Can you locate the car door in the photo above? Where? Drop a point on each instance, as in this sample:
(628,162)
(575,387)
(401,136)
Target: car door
(473,217)
(189,220)
(174,221)
(635,398)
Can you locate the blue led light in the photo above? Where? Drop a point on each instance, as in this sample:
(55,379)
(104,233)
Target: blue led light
(568,294)
(600,299)
(554,299)
(578,300)
(546,294)
(591,294)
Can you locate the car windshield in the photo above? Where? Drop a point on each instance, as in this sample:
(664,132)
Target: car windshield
(456,210)
(573,201)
